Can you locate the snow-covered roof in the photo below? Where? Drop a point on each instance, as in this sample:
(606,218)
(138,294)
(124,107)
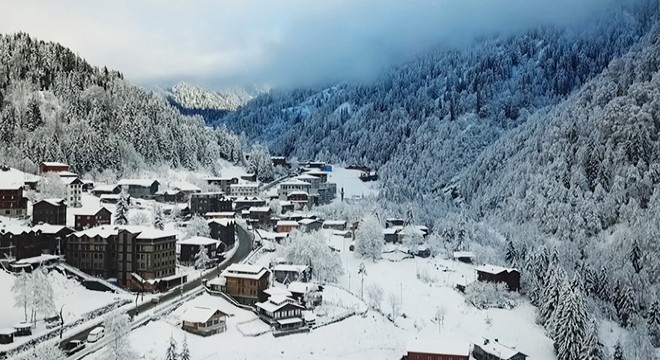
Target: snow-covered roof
(198,314)
(497,349)
(290,268)
(198,240)
(217,178)
(54,202)
(66,174)
(10,183)
(220,280)
(301,287)
(48,228)
(494,269)
(299,192)
(38,259)
(391,231)
(168,192)
(265,234)
(13,229)
(276,302)
(293,182)
(104,188)
(110,197)
(222,222)
(259,209)
(245,271)
(106,231)
(54,163)
(221,214)
(463,254)
(7,331)
(136,182)
(285,203)
(89,211)
(186,186)
(277,291)
(307,221)
(288,321)
(306,177)
(439,345)
(287,223)
(334,222)
(246,185)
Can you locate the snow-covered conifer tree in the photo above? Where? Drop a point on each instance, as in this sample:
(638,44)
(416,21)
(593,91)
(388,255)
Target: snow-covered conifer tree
(121,209)
(570,330)
(171,350)
(618,352)
(185,352)
(369,238)
(159,220)
(202,258)
(636,257)
(511,254)
(592,349)
(22,290)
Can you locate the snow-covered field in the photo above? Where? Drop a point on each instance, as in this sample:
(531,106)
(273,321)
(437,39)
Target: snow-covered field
(350,182)
(69,295)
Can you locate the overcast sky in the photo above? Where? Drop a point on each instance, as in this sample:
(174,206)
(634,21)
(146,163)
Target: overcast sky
(280,42)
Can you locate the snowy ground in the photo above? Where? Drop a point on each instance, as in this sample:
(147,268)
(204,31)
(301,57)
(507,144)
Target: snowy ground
(74,300)
(420,301)
(350,182)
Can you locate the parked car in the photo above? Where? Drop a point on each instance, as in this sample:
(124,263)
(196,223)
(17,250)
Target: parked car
(73,347)
(155,300)
(96,334)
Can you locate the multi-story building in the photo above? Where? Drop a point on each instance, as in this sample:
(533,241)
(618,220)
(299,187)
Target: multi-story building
(223,230)
(131,254)
(202,203)
(223,182)
(20,242)
(244,203)
(88,219)
(260,216)
(49,211)
(12,202)
(243,189)
(73,190)
(246,283)
(292,185)
(140,188)
(51,166)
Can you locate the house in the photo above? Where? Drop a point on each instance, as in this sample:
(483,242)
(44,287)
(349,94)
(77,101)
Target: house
(49,211)
(50,166)
(220,215)
(217,284)
(223,230)
(86,219)
(121,251)
(190,247)
(204,321)
(346,234)
(308,294)
(285,273)
(223,182)
(21,242)
(281,312)
(438,349)
(187,188)
(73,190)
(243,189)
(298,198)
(393,235)
(245,283)
(326,193)
(140,188)
(287,206)
(278,160)
(244,203)
(335,225)
(277,291)
(112,198)
(498,274)
(99,190)
(260,216)
(464,256)
(309,225)
(321,174)
(12,202)
(286,226)
(7,336)
(292,185)
(170,196)
(207,202)
(393,222)
(494,350)
(53,240)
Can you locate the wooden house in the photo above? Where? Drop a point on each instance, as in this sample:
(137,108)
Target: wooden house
(204,321)
(170,196)
(88,219)
(494,350)
(246,283)
(464,256)
(49,211)
(52,166)
(309,225)
(286,226)
(223,230)
(498,274)
(99,190)
(7,336)
(281,312)
(286,273)
(307,294)
(335,225)
(140,188)
(394,222)
(438,349)
(12,202)
(190,247)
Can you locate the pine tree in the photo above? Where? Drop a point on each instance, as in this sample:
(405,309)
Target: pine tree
(592,349)
(618,352)
(624,304)
(570,331)
(159,221)
(636,257)
(22,290)
(202,258)
(121,210)
(654,314)
(185,352)
(511,253)
(603,284)
(549,297)
(171,350)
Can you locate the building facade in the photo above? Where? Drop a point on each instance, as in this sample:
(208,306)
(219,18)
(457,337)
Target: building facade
(74,187)
(246,283)
(51,166)
(224,183)
(49,211)
(202,203)
(12,202)
(140,188)
(243,189)
(87,220)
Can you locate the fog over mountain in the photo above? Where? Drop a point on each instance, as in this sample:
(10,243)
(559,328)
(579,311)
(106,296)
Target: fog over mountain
(284,43)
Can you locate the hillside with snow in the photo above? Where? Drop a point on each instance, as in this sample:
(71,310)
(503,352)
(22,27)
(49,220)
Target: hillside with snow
(191,96)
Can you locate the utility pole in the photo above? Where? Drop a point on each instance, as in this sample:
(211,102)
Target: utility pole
(363,272)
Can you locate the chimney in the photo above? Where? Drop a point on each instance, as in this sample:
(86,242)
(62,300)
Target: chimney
(485,341)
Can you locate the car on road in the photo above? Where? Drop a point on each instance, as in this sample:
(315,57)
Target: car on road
(96,334)
(155,300)
(73,347)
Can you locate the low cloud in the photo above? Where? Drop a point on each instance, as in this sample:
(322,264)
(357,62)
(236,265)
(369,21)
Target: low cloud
(286,42)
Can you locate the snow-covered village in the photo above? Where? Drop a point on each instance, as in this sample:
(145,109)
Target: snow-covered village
(401,180)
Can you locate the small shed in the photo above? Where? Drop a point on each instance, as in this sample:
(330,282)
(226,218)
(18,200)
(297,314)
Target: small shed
(23,329)
(7,336)
(464,256)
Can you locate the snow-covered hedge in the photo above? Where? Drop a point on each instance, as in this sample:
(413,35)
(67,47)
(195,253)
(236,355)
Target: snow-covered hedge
(484,295)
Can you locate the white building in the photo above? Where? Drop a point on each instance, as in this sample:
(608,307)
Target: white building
(73,191)
(243,189)
(289,186)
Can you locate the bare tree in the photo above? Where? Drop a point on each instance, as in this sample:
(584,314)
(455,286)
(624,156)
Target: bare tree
(394,302)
